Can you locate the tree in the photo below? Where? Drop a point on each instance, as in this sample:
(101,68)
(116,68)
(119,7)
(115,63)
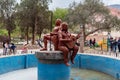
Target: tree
(86,14)
(43,22)
(7,11)
(91,16)
(31,13)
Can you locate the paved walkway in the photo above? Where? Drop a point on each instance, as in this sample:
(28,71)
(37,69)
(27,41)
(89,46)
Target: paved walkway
(19,51)
(86,51)
(101,52)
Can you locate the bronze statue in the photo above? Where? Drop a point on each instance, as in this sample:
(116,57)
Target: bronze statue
(63,41)
(53,36)
(67,43)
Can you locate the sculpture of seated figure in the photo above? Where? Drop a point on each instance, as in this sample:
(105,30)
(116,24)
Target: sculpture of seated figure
(52,36)
(67,43)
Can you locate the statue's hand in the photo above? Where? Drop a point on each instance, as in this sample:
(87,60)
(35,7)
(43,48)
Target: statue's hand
(70,40)
(78,44)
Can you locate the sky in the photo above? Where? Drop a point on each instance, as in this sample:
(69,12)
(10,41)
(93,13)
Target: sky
(65,3)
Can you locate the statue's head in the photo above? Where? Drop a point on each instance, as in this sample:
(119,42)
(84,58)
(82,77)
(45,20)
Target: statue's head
(64,26)
(58,22)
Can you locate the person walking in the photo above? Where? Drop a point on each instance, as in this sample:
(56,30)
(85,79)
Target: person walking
(24,48)
(39,43)
(118,42)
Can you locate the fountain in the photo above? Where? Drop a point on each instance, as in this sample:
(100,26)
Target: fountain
(51,64)
(86,67)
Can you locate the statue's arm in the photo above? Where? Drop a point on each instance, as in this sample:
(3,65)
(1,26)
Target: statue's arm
(79,35)
(60,36)
(53,33)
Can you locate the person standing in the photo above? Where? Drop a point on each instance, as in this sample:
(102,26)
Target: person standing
(94,42)
(118,44)
(24,48)
(111,44)
(6,48)
(90,43)
(114,45)
(13,47)
(3,48)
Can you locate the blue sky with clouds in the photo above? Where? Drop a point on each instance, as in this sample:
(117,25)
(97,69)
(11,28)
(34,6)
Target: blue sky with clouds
(65,3)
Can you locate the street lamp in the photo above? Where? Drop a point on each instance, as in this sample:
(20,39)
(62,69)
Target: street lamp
(108,40)
(51,18)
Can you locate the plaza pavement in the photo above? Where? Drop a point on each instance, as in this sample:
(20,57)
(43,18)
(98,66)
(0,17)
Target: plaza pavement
(19,51)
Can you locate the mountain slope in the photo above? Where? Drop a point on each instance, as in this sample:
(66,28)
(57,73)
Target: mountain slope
(117,6)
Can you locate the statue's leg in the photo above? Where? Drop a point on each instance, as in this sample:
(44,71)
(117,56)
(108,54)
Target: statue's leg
(75,50)
(65,54)
(46,37)
(55,42)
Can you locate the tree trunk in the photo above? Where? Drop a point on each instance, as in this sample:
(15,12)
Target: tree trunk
(40,35)
(27,34)
(34,30)
(81,44)
(9,35)
(83,33)
(33,35)
(82,39)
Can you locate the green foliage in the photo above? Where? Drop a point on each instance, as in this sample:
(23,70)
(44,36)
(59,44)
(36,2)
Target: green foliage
(3,32)
(33,17)
(7,11)
(16,32)
(59,13)
(97,45)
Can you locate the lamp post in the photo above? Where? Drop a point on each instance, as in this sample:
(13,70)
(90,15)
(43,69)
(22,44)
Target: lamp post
(51,18)
(108,40)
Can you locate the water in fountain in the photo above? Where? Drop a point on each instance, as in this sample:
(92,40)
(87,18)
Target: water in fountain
(76,74)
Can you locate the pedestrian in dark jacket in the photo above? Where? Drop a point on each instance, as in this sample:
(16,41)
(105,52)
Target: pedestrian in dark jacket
(111,44)
(114,45)
(118,44)
(12,47)
(90,43)
(94,42)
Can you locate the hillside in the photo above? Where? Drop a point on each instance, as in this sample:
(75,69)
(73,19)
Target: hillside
(115,10)
(117,6)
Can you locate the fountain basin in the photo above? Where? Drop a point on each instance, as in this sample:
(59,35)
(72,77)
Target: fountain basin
(106,64)
(51,64)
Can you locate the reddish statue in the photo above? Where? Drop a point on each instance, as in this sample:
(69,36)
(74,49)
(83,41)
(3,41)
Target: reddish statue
(53,36)
(67,43)
(63,41)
